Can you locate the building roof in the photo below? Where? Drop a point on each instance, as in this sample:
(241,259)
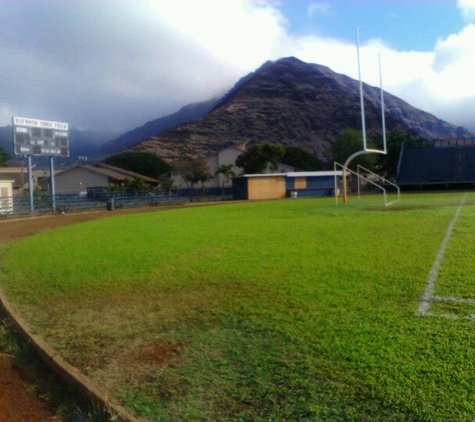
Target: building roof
(314,173)
(111,172)
(127,173)
(14,174)
(298,174)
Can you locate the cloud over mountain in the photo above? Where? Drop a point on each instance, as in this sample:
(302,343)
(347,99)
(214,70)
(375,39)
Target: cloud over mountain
(115,64)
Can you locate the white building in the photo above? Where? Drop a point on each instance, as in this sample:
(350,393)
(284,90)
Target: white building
(80,178)
(6,200)
(224,157)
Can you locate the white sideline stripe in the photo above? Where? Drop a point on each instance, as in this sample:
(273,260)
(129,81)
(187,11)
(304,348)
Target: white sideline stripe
(453,299)
(451,316)
(427,296)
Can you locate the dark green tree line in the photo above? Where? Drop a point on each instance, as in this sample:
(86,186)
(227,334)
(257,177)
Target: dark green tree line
(4,157)
(144,163)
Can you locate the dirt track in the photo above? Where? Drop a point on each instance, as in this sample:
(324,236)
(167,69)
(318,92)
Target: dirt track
(19,400)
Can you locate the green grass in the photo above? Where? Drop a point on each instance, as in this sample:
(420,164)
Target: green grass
(281,310)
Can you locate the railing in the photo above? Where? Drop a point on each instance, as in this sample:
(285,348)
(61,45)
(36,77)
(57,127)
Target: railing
(43,203)
(379,183)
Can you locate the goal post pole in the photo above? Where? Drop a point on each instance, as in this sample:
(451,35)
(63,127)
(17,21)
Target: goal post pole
(363,124)
(383,118)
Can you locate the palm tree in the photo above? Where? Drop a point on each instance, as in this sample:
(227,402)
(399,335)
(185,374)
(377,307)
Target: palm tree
(227,171)
(167,184)
(203,178)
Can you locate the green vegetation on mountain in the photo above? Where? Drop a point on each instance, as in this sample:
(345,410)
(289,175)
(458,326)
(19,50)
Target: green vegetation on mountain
(144,163)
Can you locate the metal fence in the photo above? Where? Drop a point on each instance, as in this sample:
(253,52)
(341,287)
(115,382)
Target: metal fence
(102,198)
(43,203)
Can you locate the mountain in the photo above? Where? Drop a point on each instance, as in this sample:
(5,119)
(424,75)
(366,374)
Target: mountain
(88,142)
(293,103)
(185,114)
(97,145)
(6,139)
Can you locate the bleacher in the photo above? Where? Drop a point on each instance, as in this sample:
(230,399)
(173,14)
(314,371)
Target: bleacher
(444,164)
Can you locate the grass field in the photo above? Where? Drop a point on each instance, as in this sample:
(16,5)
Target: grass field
(280,310)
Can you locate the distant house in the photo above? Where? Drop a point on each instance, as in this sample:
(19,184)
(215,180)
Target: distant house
(282,185)
(224,157)
(19,177)
(6,200)
(80,178)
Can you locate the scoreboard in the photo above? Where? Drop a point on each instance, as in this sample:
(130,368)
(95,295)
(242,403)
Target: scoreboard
(40,137)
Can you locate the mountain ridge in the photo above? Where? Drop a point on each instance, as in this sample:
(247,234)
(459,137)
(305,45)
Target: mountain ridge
(293,103)
(285,101)
(185,114)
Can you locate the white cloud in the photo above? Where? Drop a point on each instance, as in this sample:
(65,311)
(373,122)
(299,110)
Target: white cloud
(467,7)
(455,47)
(238,32)
(121,63)
(126,58)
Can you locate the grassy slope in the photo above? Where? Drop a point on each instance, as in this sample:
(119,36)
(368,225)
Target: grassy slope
(277,310)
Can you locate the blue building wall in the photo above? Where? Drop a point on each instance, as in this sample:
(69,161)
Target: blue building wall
(315,186)
(441,165)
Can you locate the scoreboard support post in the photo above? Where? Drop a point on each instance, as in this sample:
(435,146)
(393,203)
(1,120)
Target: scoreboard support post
(31,188)
(52,184)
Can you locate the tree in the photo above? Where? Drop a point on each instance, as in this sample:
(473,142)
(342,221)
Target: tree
(4,157)
(303,160)
(203,178)
(167,184)
(137,184)
(193,172)
(260,157)
(228,173)
(144,163)
(387,164)
(347,143)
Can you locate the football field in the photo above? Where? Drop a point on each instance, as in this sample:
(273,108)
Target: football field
(297,309)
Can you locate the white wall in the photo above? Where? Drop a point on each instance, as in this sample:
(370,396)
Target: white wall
(6,193)
(78,180)
(226,156)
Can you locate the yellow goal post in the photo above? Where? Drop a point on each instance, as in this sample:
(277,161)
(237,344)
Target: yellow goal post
(368,177)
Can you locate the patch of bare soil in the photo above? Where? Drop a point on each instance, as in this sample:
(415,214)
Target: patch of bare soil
(161,354)
(12,228)
(19,401)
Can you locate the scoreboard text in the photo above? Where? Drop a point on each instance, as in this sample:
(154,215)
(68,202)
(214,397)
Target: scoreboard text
(40,137)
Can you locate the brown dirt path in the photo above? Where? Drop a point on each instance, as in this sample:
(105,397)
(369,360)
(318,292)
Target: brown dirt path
(19,399)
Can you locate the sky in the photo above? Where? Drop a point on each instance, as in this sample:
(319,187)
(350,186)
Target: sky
(113,65)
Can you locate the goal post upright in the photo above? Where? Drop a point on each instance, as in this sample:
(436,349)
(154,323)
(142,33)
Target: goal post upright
(383,117)
(365,150)
(363,123)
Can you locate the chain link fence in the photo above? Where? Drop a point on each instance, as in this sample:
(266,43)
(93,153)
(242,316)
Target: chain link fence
(43,203)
